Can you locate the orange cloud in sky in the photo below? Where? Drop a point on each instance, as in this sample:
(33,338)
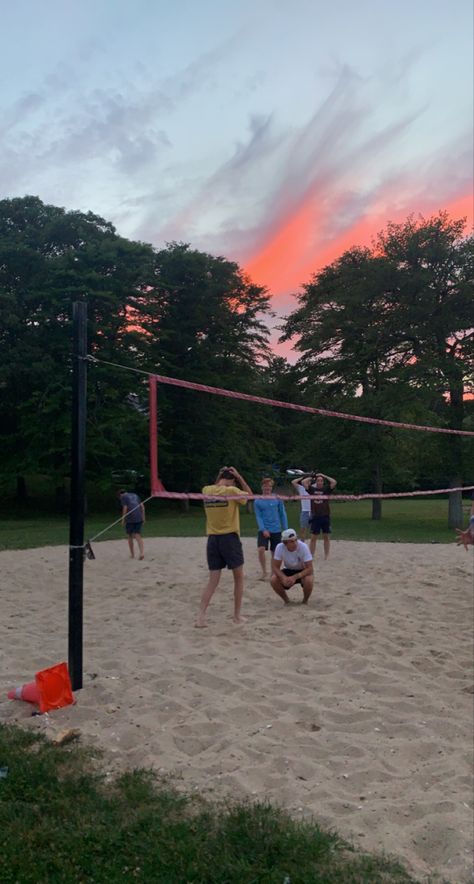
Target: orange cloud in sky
(302,243)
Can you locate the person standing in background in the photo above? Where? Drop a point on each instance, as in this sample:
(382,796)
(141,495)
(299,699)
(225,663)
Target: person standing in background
(271,520)
(305,514)
(133,517)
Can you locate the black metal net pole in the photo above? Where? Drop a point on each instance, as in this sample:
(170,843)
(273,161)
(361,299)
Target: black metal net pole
(78,492)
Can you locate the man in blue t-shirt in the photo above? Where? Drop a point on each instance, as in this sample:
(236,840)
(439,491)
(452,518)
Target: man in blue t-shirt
(133,517)
(271,521)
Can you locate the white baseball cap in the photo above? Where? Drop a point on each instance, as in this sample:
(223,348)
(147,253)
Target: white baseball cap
(288,534)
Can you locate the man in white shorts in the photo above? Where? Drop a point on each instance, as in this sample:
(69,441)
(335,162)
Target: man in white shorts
(305,515)
(292,564)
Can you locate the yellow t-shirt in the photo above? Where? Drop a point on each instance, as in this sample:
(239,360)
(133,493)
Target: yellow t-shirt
(222,515)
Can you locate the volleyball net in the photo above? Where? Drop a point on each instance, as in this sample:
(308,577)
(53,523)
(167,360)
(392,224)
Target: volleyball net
(158,490)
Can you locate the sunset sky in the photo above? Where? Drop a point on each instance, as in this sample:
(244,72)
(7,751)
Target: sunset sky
(274,132)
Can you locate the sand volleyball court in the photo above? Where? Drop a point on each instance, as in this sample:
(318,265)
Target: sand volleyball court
(357,709)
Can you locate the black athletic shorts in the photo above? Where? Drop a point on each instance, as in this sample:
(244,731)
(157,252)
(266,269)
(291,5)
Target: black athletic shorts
(289,572)
(224,551)
(133,527)
(273,540)
(321,523)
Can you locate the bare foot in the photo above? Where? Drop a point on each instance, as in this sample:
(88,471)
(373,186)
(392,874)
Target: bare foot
(263,577)
(200,623)
(141,558)
(239,620)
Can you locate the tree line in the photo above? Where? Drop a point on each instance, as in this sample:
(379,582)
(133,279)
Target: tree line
(385,331)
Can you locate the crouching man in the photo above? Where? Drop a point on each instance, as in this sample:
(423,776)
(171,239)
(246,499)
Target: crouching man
(292,564)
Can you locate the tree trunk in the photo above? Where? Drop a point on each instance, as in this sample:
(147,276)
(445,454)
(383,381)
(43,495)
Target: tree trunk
(455,504)
(249,506)
(377,483)
(21,490)
(184,505)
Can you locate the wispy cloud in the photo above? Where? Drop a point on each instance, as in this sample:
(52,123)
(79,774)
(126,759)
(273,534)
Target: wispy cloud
(286,201)
(118,131)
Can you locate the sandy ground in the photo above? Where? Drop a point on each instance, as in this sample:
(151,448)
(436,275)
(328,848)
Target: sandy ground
(357,709)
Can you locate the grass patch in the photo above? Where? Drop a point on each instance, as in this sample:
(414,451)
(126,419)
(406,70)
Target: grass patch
(404,521)
(61,822)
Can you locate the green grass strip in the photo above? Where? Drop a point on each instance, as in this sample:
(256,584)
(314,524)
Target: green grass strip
(63,822)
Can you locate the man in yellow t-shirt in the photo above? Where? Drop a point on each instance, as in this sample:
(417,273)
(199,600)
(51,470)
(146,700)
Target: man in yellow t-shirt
(224,548)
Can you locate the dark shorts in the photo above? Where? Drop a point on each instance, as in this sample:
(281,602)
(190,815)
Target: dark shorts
(133,527)
(224,551)
(288,572)
(273,540)
(321,523)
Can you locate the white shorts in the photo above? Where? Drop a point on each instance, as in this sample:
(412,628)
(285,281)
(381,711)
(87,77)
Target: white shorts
(304,519)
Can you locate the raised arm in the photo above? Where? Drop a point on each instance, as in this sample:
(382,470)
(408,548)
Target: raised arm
(332,482)
(300,479)
(241,481)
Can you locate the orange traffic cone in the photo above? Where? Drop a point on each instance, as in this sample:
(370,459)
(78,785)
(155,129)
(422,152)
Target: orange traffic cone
(28,692)
(54,687)
(51,689)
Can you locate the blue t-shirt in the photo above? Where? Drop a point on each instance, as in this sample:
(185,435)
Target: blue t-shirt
(271,515)
(131,500)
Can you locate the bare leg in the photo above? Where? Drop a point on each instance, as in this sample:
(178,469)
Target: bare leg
(312,544)
(141,548)
(279,589)
(238,574)
(262,560)
(307,584)
(130,545)
(327,544)
(212,583)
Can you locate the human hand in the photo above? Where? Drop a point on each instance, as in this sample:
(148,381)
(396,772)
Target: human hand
(266,533)
(464,538)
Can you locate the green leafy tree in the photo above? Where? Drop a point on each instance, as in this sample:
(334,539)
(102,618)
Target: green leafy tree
(392,327)
(48,259)
(204,321)
(433,321)
(347,351)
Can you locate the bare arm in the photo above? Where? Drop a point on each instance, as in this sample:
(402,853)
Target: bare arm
(464,538)
(285,581)
(276,567)
(307,570)
(332,482)
(241,481)
(297,481)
